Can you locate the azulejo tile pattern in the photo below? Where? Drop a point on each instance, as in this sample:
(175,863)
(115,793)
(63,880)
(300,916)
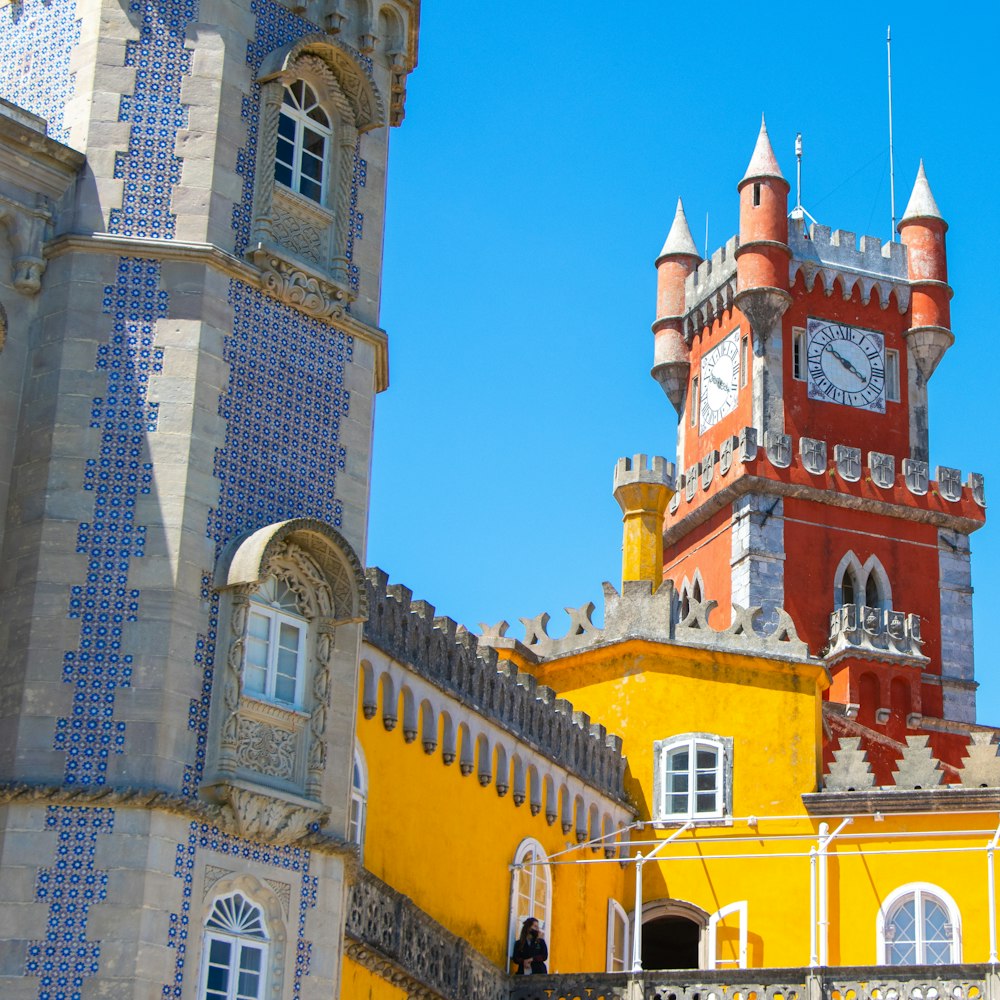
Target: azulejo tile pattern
(149,167)
(37,38)
(356,220)
(276,26)
(70,886)
(283,407)
(202,837)
(198,710)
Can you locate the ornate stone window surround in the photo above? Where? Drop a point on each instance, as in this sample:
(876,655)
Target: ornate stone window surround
(268,759)
(300,244)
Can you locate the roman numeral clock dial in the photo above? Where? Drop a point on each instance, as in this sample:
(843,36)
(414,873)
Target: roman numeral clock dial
(720,374)
(846,365)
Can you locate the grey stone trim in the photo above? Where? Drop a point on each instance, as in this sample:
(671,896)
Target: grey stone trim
(981,766)
(918,767)
(725,745)
(957,647)
(941,798)
(210,256)
(850,769)
(450,657)
(390,935)
(710,289)
(158,799)
(758,551)
(874,633)
(907,982)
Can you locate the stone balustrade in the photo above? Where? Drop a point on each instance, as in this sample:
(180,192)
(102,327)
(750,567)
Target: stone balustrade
(876,632)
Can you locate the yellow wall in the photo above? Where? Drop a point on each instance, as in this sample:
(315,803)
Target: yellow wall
(446,842)
(358,983)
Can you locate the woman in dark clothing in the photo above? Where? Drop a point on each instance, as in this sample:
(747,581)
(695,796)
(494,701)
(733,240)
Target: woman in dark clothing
(530,950)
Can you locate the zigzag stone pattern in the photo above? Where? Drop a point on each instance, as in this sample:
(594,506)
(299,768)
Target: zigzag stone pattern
(449,656)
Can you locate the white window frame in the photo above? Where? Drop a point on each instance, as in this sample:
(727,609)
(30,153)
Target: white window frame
(618,917)
(238,944)
(893,391)
(301,120)
(358,815)
(275,620)
(723,747)
(744,359)
(714,962)
(537,874)
(918,890)
(695,398)
(798,354)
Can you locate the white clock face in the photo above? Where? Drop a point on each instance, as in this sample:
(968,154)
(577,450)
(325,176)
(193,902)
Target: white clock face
(846,365)
(720,376)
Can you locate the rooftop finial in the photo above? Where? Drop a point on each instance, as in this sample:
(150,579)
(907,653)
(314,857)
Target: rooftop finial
(921,204)
(763,163)
(679,239)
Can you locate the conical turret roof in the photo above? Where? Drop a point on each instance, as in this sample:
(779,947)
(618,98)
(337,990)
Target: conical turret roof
(679,239)
(763,163)
(921,204)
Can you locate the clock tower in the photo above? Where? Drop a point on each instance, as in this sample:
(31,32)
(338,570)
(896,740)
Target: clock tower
(797,361)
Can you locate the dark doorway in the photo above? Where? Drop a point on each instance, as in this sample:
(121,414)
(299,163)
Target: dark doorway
(670,943)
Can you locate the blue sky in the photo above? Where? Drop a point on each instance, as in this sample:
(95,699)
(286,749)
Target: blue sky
(530,188)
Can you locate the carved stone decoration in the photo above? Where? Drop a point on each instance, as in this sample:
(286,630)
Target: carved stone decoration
(691,482)
(918,768)
(882,468)
(26,227)
(883,634)
(813,455)
(779,449)
(3,326)
(871,620)
(287,283)
(708,464)
(265,749)
(748,444)
(975,482)
(28,274)
(726,455)
(981,765)
(675,501)
(299,235)
(848,462)
(850,770)
(949,483)
(212,875)
(262,817)
(283,891)
(916,474)
(232,684)
(320,707)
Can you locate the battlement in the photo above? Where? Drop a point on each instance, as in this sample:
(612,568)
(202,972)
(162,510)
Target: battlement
(711,274)
(655,471)
(453,659)
(857,261)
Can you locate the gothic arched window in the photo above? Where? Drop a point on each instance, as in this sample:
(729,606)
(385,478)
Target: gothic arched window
(234,966)
(302,155)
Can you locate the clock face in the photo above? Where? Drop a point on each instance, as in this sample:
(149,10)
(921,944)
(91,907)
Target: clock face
(846,365)
(720,376)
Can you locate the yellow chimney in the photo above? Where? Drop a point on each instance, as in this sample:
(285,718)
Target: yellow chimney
(643,488)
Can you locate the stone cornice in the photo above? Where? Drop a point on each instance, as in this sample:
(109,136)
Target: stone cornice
(209,255)
(775,487)
(942,798)
(161,800)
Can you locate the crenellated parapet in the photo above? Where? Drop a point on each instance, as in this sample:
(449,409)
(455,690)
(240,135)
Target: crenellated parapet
(875,633)
(835,473)
(448,656)
(639,612)
(710,290)
(861,262)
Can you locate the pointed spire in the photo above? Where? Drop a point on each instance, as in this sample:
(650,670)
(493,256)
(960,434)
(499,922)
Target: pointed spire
(679,239)
(921,204)
(763,162)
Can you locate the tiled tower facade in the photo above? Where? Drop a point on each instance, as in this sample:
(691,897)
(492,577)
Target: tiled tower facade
(191,214)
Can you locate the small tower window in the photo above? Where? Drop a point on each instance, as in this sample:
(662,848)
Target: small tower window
(892,376)
(798,355)
(275,644)
(235,956)
(847,588)
(694,401)
(301,159)
(872,596)
(744,359)
(756,195)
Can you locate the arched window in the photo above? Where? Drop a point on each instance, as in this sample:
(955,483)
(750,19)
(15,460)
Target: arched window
(531,889)
(848,587)
(359,800)
(919,924)
(302,155)
(872,596)
(234,964)
(866,585)
(618,957)
(276,644)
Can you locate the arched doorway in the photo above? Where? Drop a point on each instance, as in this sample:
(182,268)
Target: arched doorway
(673,935)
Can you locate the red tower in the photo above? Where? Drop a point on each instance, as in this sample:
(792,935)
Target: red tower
(798,363)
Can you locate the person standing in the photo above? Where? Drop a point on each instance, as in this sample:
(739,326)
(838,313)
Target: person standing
(530,950)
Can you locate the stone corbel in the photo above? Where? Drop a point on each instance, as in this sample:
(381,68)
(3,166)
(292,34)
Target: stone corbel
(259,816)
(292,284)
(26,230)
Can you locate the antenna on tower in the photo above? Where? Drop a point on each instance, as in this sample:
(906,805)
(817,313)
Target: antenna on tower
(892,170)
(799,212)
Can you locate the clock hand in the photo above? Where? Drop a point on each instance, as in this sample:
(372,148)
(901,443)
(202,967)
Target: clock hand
(847,364)
(718,381)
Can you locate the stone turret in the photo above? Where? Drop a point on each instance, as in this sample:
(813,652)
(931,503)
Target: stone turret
(762,293)
(678,259)
(643,488)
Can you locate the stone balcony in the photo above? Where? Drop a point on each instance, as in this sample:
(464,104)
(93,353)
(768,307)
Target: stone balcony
(923,982)
(876,633)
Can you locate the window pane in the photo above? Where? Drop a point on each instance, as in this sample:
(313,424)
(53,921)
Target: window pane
(285,153)
(678,760)
(902,954)
(284,689)
(677,804)
(706,758)
(288,636)
(310,189)
(706,781)
(254,679)
(938,953)
(678,783)
(283,174)
(317,114)
(705,802)
(313,142)
(286,127)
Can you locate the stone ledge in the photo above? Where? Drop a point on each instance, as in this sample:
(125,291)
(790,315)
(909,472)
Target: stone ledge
(942,798)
